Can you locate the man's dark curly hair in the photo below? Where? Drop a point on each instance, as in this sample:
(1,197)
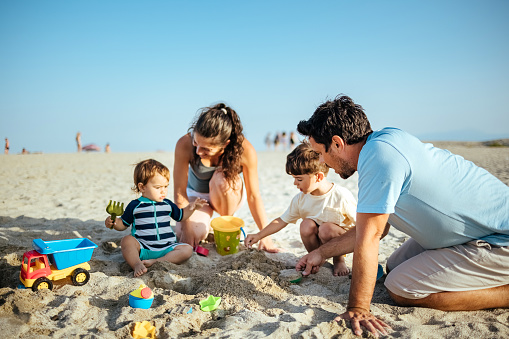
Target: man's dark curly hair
(341,117)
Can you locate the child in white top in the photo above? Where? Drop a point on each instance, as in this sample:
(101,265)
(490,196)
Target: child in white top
(326,209)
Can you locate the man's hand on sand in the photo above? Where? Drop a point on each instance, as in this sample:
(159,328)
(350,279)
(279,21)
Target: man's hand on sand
(310,263)
(359,316)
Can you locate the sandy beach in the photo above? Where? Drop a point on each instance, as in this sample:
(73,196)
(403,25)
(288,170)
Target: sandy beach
(63,196)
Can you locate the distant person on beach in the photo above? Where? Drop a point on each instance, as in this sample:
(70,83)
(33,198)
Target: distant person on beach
(326,209)
(457,215)
(208,163)
(268,141)
(294,140)
(78,141)
(277,141)
(6,149)
(152,239)
(107,149)
(283,139)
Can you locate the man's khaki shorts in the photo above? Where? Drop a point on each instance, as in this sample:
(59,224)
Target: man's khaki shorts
(415,273)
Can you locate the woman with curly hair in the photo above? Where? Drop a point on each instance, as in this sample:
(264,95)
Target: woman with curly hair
(208,162)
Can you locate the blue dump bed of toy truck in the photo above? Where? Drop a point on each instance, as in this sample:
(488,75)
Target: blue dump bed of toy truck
(65,253)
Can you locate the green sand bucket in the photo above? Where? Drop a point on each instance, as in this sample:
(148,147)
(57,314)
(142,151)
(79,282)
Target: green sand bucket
(227,234)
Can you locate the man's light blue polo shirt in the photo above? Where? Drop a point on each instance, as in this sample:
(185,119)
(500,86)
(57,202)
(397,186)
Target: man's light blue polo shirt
(438,198)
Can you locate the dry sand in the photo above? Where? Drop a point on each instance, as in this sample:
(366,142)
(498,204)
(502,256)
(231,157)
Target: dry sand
(60,196)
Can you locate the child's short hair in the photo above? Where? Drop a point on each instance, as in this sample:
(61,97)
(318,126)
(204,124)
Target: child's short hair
(146,169)
(303,160)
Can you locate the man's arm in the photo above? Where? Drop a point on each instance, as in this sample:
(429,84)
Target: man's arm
(369,230)
(311,262)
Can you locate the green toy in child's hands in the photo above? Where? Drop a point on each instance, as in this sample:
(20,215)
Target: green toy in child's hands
(115,209)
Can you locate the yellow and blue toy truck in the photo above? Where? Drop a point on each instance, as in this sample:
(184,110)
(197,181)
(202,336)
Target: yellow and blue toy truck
(54,260)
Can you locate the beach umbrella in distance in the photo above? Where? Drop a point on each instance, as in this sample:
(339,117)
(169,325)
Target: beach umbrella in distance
(91,148)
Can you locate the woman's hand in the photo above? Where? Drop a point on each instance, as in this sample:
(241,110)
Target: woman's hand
(360,316)
(267,245)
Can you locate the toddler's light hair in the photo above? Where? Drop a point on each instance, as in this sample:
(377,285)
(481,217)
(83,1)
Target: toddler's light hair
(146,169)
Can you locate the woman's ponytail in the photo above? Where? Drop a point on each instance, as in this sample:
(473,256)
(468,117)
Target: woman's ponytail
(221,123)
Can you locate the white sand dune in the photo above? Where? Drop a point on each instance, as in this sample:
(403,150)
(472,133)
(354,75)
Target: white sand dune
(59,196)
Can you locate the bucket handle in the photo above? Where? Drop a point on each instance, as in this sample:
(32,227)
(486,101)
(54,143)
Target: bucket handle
(244,233)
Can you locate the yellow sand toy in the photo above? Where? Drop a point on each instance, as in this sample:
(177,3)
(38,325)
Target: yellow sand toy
(144,330)
(227,233)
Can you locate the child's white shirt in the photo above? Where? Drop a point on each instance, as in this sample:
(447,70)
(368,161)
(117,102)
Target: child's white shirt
(337,206)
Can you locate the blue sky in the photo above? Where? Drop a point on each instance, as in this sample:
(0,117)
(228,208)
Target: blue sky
(134,73)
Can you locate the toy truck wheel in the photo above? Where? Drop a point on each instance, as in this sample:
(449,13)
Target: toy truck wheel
(41,284)
(80,277)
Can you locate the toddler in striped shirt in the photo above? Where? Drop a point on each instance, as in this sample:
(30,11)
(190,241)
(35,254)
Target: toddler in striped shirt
(152,238)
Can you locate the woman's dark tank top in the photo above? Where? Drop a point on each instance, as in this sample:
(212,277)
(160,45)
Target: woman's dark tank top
(199,176)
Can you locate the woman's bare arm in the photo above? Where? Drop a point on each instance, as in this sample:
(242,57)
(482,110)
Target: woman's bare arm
(183,156)
(254,199)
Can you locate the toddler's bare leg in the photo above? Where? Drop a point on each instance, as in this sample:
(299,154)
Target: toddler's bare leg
(309,234)
(179,254)
(131,253)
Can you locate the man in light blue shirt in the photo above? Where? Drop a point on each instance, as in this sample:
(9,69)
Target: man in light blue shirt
(434,196)
(456,214)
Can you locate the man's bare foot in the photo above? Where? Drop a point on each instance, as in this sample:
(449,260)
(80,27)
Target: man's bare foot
(139,269)
(148,262)
(340,267)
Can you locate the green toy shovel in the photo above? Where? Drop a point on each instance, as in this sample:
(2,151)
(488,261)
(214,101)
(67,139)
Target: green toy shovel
(115,209)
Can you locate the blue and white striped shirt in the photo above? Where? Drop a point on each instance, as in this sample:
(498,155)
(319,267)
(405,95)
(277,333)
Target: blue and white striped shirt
(150,221)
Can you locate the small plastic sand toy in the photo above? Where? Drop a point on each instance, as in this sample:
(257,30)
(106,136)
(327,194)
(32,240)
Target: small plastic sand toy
(114,209)
(201,251)
(297,280)
(210,304)
(141,298)
(380,272)
(182,309)
(55,260)
(144,330)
